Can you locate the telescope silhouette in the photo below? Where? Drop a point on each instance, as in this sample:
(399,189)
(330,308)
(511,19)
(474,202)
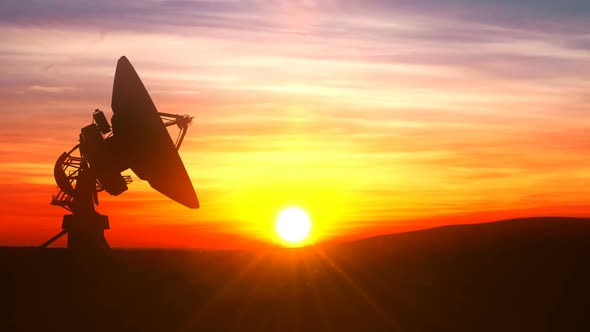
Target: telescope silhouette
(138,140)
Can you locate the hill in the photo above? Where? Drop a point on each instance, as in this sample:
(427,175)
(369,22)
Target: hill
(526,274)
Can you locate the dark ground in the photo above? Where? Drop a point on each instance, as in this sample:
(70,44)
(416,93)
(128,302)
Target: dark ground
(519,275)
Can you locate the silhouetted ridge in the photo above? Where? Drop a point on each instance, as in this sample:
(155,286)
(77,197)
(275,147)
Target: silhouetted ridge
(490,233)
(517,275)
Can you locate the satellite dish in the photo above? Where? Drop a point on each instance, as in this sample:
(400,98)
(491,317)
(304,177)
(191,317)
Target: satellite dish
(138,140)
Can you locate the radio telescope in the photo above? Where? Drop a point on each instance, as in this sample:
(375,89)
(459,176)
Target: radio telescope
(137,140)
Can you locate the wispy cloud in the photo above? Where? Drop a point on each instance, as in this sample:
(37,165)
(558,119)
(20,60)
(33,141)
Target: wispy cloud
(391,109)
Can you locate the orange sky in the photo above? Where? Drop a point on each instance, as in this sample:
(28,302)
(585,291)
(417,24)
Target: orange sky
(373,116)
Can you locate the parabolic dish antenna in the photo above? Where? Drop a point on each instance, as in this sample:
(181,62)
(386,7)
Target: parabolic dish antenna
(138,140)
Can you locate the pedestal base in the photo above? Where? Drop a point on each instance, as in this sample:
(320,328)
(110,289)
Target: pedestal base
(86,232)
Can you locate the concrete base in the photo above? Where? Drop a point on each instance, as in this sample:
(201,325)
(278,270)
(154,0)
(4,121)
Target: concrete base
(86,232)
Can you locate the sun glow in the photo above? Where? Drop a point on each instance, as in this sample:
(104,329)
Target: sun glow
(293,225)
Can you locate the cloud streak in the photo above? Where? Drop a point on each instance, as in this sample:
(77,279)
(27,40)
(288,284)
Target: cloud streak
(382,110)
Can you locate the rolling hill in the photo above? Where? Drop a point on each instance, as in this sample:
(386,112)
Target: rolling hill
(515,275)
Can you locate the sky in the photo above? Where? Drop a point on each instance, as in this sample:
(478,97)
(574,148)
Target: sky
(372,116)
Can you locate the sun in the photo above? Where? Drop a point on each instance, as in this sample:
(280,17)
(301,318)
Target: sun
(293,225)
